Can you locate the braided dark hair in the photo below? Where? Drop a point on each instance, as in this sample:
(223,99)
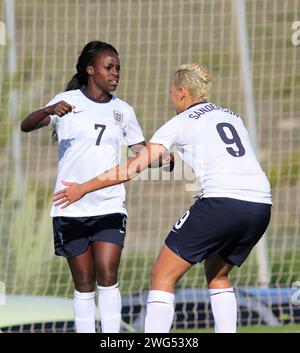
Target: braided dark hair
(87,57)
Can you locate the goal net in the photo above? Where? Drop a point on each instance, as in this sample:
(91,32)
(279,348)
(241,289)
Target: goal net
(39,44)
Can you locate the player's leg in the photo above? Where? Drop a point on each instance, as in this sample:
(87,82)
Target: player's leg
(244,231)
(107,259)
(166,271)
(83,274)
(223,301)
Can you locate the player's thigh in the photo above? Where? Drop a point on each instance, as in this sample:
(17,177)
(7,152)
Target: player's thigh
(168,268)
(82,270)
(107,258)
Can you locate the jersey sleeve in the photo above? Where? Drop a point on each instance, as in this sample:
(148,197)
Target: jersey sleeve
(168,135)
(133,131)
(53,120)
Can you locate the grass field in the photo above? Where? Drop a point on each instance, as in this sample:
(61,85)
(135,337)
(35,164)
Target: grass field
(253,329)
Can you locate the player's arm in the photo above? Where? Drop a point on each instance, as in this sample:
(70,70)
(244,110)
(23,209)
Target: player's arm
(117,175)
(166,159)
(135,149)
(41,117)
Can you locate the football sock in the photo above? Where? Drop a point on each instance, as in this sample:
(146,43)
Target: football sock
(84,312)
(109,302)
(160,311)
(224,308)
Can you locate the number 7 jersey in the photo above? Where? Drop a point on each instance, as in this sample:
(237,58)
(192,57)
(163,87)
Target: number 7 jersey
(214,142)
(89,143)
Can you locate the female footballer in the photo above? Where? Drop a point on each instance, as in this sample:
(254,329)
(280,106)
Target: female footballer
(91,125)
(230,215)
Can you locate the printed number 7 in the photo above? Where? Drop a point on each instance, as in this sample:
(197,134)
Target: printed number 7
(102,127)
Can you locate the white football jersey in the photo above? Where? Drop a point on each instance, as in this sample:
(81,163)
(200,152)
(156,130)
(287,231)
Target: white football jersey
(215,143)
(90,140)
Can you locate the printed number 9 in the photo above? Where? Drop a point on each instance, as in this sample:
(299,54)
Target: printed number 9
(231,140)
(182,219)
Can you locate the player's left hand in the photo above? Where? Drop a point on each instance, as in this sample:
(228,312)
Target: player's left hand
(68,195)
(168,161)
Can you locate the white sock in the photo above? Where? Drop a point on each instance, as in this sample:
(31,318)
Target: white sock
(110,305)
(84,312)
(224,308)
(160,311)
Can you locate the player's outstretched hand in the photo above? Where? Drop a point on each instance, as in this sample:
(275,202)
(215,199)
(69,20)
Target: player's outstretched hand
(168,162)
(61,108)
(68,195)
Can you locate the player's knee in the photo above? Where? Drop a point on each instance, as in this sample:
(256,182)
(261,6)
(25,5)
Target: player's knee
(84,283)
(107,278)
(161,279)
(155,273)
(219,281)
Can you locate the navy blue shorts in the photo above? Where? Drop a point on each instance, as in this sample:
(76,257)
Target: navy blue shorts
(72,235)
(226,227)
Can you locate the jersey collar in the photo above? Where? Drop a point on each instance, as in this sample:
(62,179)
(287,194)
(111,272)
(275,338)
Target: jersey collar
(84,92)
(195,104)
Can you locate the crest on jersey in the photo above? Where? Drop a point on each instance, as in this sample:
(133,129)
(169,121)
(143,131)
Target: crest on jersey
(118,116)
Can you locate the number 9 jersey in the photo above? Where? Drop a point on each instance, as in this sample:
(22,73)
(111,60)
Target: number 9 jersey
(89,143)
(214,142)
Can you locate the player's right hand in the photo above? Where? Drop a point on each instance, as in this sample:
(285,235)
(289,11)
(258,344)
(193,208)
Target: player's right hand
(60,109)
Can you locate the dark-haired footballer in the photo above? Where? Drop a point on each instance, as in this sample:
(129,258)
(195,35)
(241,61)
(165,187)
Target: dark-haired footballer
(91,124)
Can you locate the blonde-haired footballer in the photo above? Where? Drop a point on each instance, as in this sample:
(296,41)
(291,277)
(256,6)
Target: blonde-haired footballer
(229,217)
